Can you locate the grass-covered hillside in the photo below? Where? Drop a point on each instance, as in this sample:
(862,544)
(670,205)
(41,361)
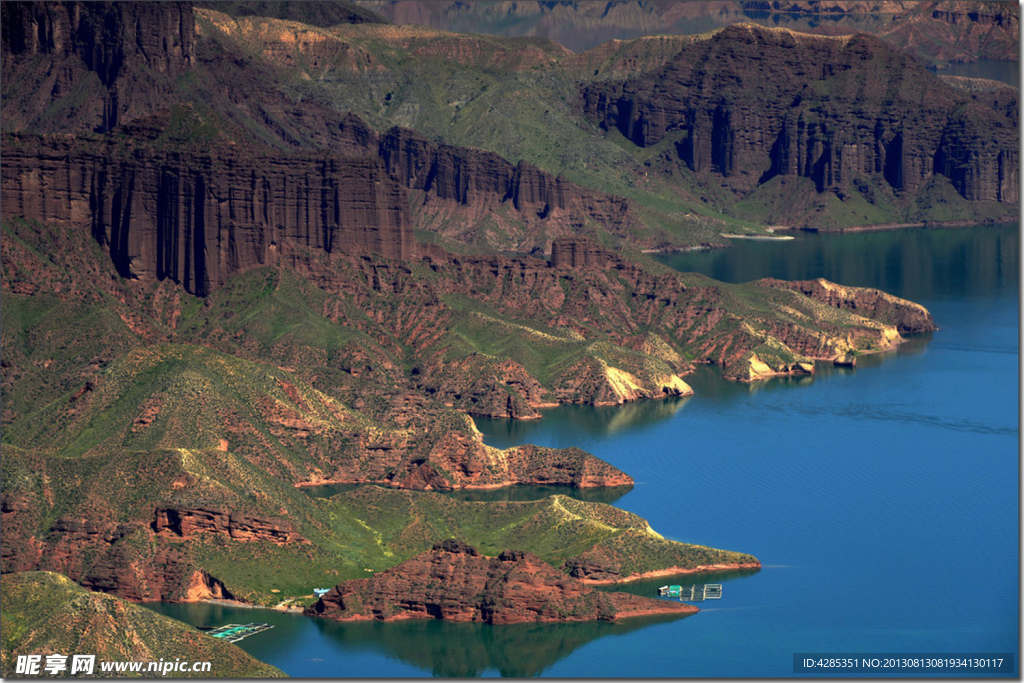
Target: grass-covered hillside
(46,613)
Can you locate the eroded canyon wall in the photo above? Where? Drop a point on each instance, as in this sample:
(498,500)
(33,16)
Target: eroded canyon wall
(90,65)
(749,104)
(196,218)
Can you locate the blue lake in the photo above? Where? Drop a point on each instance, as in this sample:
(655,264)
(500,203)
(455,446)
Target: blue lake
(883,501)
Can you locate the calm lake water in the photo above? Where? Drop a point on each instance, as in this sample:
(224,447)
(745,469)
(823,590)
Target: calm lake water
(882,501)
(1007,72)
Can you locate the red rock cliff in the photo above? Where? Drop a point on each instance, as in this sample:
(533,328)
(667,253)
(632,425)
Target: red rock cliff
(94,62)
(456,583)
(829,109)
(483,182)
(196,218)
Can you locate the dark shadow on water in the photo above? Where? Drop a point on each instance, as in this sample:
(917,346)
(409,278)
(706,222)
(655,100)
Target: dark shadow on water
(328,490)
(708,383)
(607,495)
(288,635)
(469,650)
(588,421)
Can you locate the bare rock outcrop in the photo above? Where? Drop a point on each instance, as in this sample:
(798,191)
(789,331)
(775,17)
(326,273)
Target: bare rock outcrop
(95,63)
(195,217)
(573,252)
(831,109)
(908,317)
(482,183)
(455,582)
(184,523)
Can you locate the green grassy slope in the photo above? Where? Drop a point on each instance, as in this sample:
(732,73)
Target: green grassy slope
(46,613)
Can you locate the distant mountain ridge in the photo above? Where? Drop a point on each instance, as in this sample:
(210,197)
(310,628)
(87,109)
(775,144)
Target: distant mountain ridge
(832,110)
(235,265)
(936,153)
(936,30)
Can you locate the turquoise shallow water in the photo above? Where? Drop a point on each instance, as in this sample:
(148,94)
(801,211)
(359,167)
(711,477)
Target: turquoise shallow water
(882,501)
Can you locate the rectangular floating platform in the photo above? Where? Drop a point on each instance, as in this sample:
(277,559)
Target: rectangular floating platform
(235,632)
(695,593)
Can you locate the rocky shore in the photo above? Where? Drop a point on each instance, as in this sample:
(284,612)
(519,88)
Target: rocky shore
(454,582)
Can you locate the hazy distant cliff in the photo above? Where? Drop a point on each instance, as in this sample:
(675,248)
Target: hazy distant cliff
(827,109)
(87,65)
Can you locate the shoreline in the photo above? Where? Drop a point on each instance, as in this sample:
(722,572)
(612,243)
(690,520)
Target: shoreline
(653,574)
(674,571)
(287,609)
(884,227)
(760,238)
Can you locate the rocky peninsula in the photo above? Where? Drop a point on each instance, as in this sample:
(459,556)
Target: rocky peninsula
(454,582)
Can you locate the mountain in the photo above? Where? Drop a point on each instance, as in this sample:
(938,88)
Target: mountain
(454,582)
(46,613)
(185,524)
(844,121)
(221,286)
(934,30)
(503,153)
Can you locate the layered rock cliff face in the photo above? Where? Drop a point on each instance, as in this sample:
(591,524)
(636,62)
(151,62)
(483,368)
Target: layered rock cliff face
(906,316)
(455,461)
(125,559)
(133,559)
(178,522)
(97,67)
(960,30)
(829,109)
(483,183)
(454,582)
(578,253)
(88,65)
(196,218)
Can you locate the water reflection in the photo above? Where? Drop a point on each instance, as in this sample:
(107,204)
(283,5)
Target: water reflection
(584,419)
(1007,72)
(707,381)
(465,650)
(832,23)
(290,632)
(914,264)
(581,30)
(326,647)
(649,587)
(606,495)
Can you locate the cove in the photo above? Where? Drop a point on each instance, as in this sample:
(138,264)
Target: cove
(882,501)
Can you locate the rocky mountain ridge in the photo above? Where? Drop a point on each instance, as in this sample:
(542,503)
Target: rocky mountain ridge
(813,160)
(196,218)
(116,61)
(454,582)
(214,295)
(818,115)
